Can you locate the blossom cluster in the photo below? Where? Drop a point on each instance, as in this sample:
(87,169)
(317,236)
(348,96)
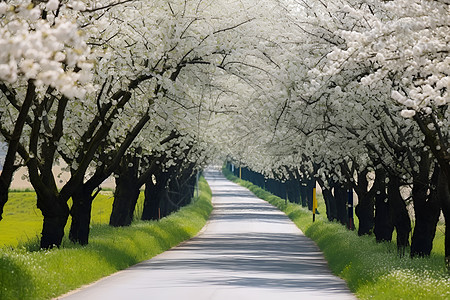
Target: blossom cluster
(51,51)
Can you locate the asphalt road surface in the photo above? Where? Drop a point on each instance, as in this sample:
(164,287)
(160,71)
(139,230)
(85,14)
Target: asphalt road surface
(248,250)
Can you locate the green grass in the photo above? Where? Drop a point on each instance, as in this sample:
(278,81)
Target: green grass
(372,270)
(46,274)
(22,220)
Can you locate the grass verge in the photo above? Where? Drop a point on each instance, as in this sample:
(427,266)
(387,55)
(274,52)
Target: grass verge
(372,270)
(46,274)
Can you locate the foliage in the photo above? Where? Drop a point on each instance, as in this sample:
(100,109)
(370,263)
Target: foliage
(372,270)
(45,274)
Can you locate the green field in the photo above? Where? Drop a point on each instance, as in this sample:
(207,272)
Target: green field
(22,220)
(372,270)
(45,274)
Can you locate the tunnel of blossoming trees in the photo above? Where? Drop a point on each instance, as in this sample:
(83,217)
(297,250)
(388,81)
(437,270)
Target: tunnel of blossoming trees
(345,95)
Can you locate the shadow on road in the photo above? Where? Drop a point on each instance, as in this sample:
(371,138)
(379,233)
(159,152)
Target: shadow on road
(278,262)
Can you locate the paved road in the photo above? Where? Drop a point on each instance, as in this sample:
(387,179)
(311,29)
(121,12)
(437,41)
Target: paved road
(248,250)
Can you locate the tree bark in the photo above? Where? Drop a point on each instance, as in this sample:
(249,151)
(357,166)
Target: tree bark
(125,199)
(399,213)
(443,193)
(426,208)
(341,198)
(303,194)
(4,188)
(55,214)
(293,189)
(81,215)
(365,209)
(126,193)
(154,193)
(13,142)
(311,184)
(330,203)
(384,226)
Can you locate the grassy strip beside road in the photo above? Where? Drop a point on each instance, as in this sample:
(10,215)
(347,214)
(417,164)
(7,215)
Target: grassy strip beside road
(46,274)
(372,270)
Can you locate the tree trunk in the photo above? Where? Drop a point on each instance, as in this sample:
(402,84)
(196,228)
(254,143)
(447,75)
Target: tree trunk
(181,187)
(303,194)
(189,187)
(3,197)
(341,198)
(164,203)
(383,220)
(174,194)
(154,193)
(125,199)
(55,214)
(293,188)
(13,144)
(81,215)
(427,209)
(330,203)
(443,193)
(311,184)
(399,213)
(151,201)
(127,191)
(365,208)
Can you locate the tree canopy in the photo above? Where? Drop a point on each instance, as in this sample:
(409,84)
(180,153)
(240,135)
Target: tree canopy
(343,92)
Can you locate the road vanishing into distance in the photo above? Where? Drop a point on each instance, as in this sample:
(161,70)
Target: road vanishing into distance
(248,250)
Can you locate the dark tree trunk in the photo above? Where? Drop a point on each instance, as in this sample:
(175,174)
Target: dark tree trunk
(329,200)
(80,212)
(3,197)
(276,188)
(189,189)
(311,184)
(272,187)
(182,185)
(292,188)
(189,186)
(365,209)
(341,198)
(125,199)
(259,180)
(13,140)
(165,203)
(426,208)
(55,214)
(443,193)
(151,201)
(304,194)
(330,204)
(383,220)
(154,193)
(175,195)
(400,216)
(126,193)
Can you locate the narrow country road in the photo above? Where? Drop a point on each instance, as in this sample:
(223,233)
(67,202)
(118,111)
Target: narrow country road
(248,250)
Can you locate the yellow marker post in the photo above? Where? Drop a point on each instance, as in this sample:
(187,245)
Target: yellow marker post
(314,206)
(240,173)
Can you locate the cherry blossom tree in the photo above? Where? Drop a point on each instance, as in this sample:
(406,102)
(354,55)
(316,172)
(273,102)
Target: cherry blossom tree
(43,54)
